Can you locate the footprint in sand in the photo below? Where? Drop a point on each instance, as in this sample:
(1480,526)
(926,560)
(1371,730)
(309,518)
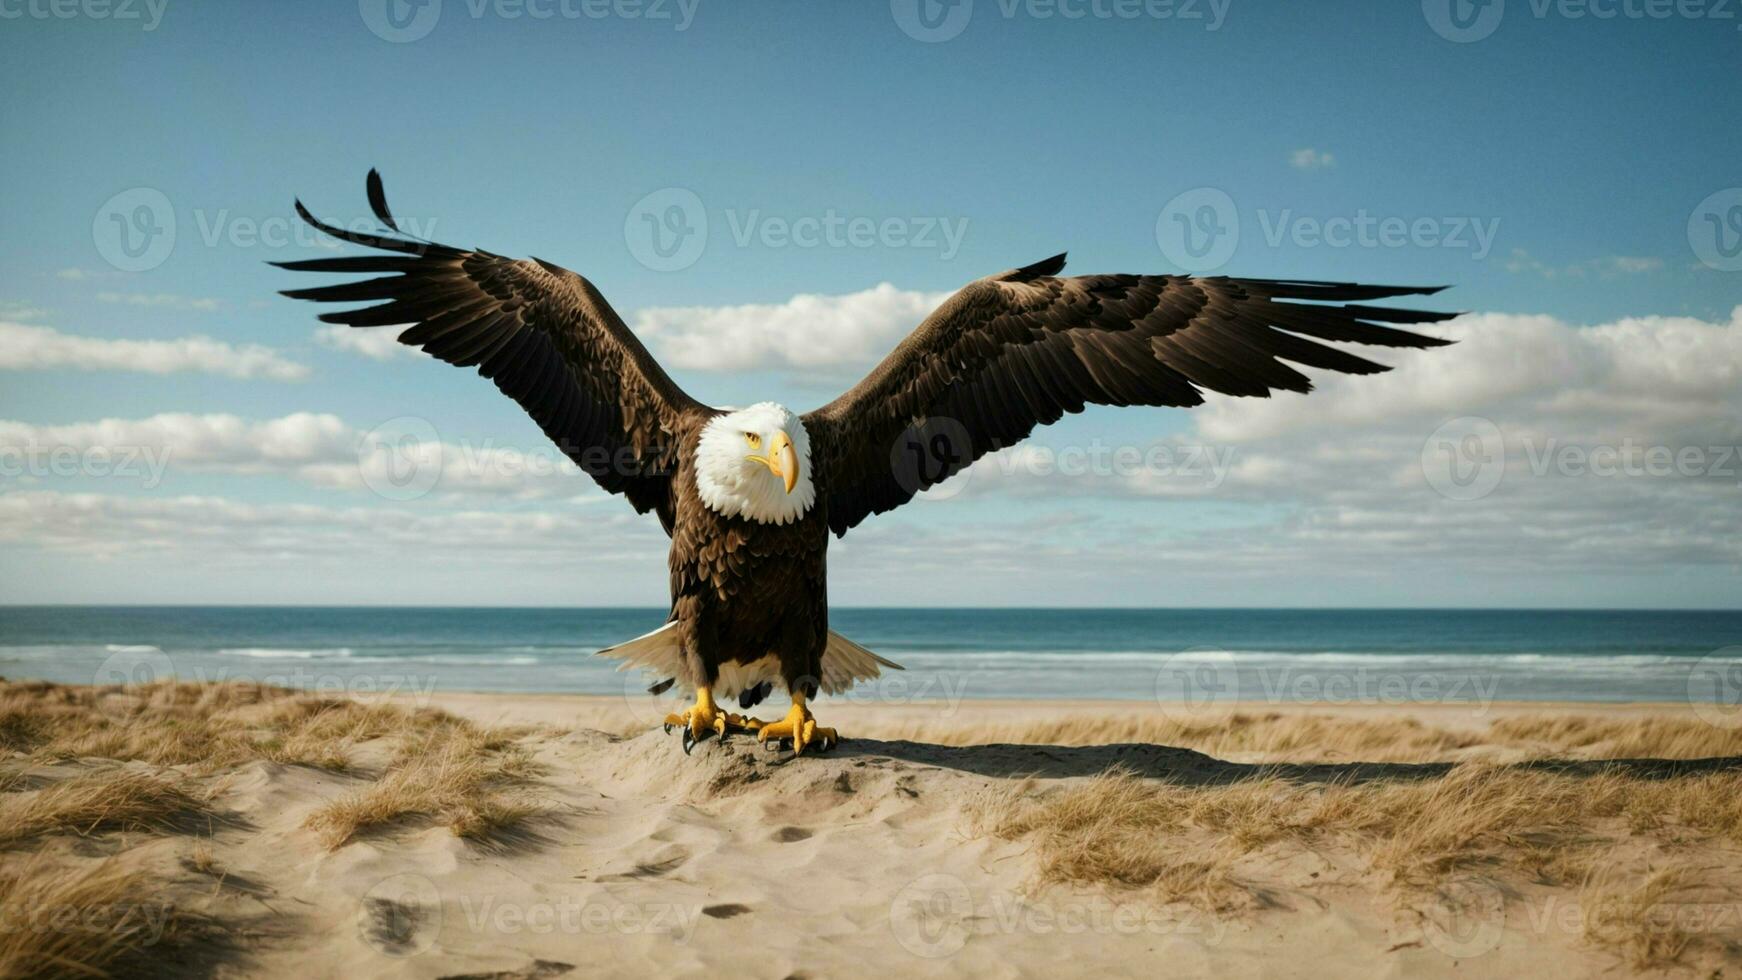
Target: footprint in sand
(790,835)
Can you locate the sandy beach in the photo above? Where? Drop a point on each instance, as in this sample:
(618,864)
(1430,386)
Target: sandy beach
(233,830)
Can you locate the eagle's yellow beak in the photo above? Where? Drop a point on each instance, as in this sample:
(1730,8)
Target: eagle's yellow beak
(782,460)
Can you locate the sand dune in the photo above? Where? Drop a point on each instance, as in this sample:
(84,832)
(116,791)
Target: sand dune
(624,857)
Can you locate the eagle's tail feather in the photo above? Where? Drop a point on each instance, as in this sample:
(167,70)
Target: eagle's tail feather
(846,663)
(660,652)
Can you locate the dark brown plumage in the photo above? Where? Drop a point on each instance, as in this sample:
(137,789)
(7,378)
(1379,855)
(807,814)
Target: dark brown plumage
(1003,355)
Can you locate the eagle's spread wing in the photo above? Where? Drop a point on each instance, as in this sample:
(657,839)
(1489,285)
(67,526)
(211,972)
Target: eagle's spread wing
(1020,349)
(543,334)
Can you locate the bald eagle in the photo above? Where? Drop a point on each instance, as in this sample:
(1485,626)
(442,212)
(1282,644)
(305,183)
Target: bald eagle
(750,496)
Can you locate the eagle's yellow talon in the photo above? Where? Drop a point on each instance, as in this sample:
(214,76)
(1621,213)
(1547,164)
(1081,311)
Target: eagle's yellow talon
(800,727)
(704,718)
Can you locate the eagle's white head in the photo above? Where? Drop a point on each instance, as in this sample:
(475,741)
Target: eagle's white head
(755,463)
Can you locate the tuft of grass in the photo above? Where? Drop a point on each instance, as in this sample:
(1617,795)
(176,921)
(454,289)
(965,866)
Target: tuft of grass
(97,802)
(1638,922)
(100,921)
(1122,830)
(455,774)
(207,727)
(202,860)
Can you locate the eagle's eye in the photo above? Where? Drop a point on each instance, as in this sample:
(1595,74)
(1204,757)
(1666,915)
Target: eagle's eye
(753,439)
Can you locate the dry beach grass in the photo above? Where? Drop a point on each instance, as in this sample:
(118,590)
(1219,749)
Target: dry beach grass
(1589,841)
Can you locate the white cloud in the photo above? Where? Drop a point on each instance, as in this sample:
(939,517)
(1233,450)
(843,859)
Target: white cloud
(376,343)
(1311,159)
(19,312)
(109,527)
(169,301)
(319,450)
(1607,267)
(24,347)
(806,331)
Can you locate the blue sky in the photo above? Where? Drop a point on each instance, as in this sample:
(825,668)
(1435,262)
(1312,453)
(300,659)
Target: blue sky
(1549,169)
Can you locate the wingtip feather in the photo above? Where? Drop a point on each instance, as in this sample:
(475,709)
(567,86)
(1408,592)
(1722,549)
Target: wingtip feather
(378,199)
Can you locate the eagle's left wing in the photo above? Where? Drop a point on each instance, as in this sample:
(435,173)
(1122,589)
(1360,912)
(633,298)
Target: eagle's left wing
(1022,348)
(543,334)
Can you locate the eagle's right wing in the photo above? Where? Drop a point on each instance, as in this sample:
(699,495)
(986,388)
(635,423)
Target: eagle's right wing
(542,333)
(1020,349)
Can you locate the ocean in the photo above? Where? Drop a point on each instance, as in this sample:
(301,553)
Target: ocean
(1280,655)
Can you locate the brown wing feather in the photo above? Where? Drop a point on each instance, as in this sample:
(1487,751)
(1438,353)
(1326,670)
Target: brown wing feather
(543,334)
(1021,349)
